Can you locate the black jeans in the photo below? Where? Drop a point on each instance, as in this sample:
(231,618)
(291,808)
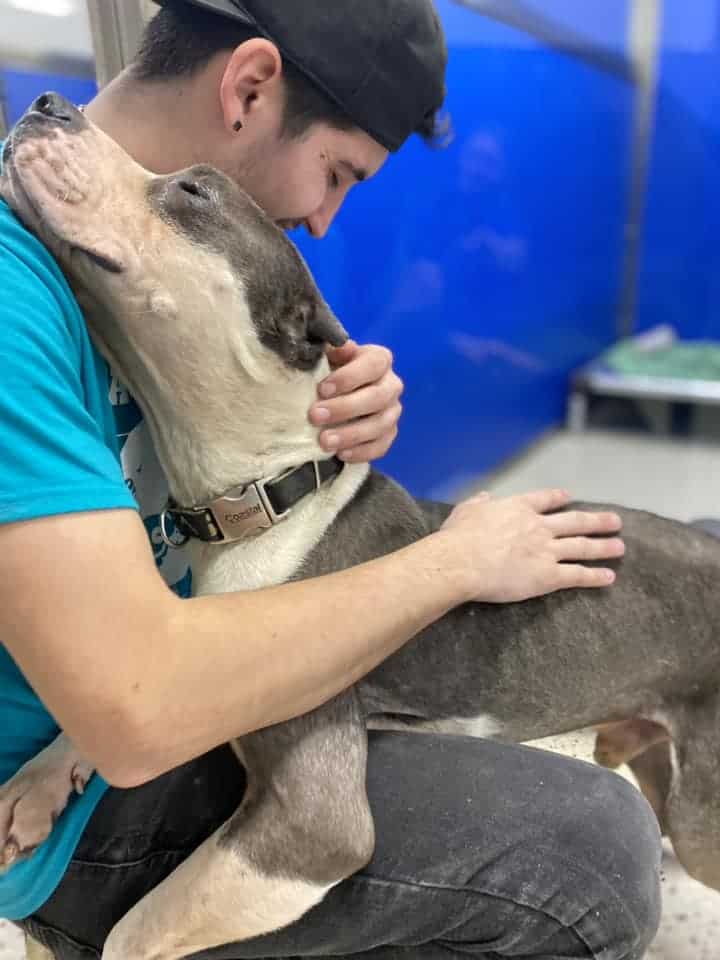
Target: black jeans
(482,850)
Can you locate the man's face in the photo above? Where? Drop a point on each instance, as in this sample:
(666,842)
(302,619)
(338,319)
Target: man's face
(236,110)
(304,181)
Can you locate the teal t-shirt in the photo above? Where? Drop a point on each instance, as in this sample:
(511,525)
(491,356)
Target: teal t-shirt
(71,439)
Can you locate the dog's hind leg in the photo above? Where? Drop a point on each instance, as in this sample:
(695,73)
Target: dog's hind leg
(693,807)
(619,743)
(653,771)
(645,746)
(304,825)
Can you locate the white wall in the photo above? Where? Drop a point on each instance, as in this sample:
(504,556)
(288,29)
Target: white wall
(29,28)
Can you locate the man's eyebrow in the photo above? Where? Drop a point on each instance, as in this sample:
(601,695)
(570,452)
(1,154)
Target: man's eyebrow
(357,172)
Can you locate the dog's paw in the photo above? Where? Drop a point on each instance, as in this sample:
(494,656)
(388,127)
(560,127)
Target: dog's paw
(28,810)
(34,798)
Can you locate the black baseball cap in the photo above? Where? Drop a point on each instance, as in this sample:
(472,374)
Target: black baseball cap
(382,61)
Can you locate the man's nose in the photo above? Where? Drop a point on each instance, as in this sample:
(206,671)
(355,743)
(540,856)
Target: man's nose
(318,225)
(319,222)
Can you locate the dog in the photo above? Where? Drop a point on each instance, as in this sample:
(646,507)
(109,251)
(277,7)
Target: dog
(192,259)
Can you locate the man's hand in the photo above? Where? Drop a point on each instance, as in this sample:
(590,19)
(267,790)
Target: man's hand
(359,404)
(514,548)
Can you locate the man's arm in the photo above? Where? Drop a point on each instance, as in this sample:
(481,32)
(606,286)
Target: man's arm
(139,679)
(142,681)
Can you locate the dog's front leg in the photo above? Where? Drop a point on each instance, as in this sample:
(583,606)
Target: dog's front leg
(32,800)
(304,825)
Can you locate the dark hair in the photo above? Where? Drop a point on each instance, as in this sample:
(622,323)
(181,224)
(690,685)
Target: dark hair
(182,38)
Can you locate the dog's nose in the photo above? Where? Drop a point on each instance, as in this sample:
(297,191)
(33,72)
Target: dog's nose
(55,107)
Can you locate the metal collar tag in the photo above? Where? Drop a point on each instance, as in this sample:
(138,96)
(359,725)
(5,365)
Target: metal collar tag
(243,511)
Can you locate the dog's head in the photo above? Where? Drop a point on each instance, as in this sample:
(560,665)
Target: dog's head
(106,218)
(198,300)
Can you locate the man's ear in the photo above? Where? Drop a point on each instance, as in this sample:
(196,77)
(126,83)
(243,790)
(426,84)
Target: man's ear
(252,74)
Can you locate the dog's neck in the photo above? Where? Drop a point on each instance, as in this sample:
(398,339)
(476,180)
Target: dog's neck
(277,554)
(256,433)
(266,432)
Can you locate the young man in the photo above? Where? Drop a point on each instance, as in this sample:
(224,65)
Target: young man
(481,849)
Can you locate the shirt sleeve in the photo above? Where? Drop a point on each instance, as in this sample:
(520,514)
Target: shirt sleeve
(56,449)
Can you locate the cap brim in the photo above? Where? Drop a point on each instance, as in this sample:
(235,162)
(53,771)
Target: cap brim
(227,8)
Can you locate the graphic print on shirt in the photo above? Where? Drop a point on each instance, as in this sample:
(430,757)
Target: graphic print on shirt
(146,481)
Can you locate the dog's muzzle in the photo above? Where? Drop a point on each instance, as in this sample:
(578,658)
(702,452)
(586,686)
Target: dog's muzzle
(248,510)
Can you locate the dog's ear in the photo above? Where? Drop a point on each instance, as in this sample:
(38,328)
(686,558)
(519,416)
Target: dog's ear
(300,336)
(324,327)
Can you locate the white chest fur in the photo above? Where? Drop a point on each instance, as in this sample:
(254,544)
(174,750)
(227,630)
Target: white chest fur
(274,556)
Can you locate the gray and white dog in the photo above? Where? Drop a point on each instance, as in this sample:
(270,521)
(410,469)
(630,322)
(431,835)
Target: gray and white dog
(190,258)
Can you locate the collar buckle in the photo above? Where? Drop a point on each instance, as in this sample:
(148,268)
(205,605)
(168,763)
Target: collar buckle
(242,511)
(246,510)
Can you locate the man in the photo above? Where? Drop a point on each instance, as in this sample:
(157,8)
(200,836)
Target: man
(481,849)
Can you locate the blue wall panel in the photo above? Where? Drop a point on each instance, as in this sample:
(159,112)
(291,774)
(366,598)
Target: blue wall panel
(680,277)
(492,268)
(21,87)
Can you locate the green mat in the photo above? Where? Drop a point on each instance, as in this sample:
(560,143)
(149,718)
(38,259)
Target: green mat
(688,360)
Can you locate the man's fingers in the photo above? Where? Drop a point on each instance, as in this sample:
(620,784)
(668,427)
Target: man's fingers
(366,430)
(368,365)
(362,403)
(367,452)
(337,356)
(585,548)
(576,523)
(545,500)
(570,575)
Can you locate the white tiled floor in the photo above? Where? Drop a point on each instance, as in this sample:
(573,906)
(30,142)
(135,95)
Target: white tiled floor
(675,478)
(678,479)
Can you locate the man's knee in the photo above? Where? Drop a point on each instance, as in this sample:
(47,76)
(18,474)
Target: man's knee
(620,843)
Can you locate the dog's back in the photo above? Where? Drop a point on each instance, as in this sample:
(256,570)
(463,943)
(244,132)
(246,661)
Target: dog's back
(549,664)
